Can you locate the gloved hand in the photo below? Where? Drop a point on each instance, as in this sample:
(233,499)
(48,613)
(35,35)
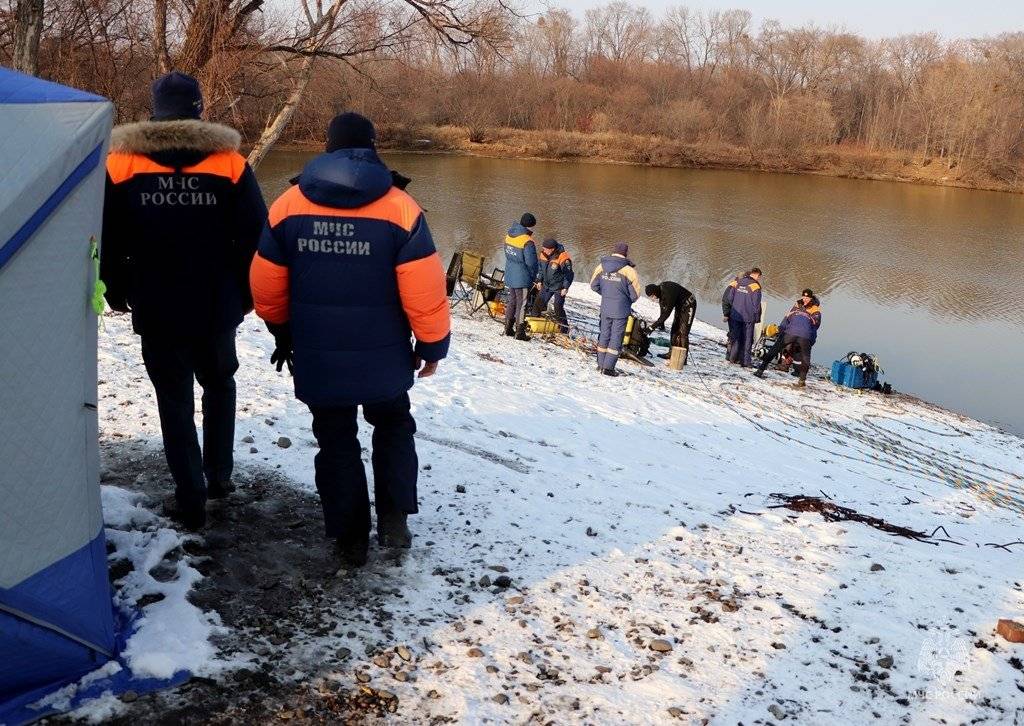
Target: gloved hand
(282,354)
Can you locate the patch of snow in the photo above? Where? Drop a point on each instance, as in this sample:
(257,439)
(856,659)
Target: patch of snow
(639,509)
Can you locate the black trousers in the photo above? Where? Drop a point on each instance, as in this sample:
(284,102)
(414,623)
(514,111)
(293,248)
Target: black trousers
(173,367)
(340,477)
(801,348)
(682,321)
(555,297)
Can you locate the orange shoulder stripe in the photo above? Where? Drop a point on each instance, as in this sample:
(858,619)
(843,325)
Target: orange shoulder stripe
(269,283)
(421,285)
(228,164)
(396,207)
(121,167)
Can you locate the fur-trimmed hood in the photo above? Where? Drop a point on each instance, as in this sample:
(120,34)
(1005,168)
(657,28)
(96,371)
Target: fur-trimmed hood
(154,137)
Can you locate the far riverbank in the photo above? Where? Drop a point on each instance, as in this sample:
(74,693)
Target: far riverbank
(654,151)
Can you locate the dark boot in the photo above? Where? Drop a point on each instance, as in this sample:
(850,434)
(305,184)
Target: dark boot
(510,328)
(610,372)
(219,490)
(521,332)
(801,383)
(759,373)
(393,530)
(353,552)
(192,518)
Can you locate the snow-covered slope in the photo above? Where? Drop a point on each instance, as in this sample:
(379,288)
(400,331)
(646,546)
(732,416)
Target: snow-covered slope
(651,579)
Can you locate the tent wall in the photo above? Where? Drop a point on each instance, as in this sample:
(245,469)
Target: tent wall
(56,617)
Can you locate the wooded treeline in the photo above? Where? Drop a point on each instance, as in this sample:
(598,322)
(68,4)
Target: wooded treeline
(688,77)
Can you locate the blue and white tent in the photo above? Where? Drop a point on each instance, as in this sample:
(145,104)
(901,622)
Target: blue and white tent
(56,615)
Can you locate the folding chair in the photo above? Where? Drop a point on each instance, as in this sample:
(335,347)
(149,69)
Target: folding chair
(454,270)
(489,291)
(470,266)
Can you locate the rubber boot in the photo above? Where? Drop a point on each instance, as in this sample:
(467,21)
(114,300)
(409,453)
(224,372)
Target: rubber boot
(610,372)
(393,530)
(521,332)
(759,373)
(510,328)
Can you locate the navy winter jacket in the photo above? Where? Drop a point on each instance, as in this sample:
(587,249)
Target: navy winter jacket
(616,280)
(520,257)
(742,300)
(555,268)
(347,259)
(181,221)
(803,322)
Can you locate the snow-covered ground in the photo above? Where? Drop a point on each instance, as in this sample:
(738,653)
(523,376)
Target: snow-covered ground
(652,579)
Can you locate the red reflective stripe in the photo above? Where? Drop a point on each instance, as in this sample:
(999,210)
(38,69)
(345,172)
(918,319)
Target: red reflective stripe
(421,285)
(269,283)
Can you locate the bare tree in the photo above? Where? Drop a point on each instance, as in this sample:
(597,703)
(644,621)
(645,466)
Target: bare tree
(27,30)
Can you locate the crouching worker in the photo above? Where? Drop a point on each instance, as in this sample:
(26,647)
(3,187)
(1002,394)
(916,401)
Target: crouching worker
(554,278)
(345,274)
(674,298)
(741,308)
(181,221)
(616,280)
(797,332)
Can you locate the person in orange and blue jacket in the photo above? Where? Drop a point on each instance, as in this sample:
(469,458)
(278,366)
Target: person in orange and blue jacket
(615,279)
(554,278)
(345,276)
(181,221)
(798,332)
(741,307)
(520,274)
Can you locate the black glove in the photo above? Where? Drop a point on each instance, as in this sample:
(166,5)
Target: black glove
(282,354)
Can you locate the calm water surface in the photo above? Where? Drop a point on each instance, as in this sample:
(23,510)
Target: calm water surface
(930,279)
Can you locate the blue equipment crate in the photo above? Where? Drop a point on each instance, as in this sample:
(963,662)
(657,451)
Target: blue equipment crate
(847,374)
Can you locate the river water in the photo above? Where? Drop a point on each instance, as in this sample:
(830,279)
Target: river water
(931,279)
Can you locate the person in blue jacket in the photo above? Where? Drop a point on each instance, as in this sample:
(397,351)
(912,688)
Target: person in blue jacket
(741,307)
(520,273)
(616,280)
(554,278)
(797,332)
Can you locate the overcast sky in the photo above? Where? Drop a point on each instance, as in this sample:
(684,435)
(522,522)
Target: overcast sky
(873,18)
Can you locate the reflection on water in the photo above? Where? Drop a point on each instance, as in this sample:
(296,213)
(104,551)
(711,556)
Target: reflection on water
(931,279)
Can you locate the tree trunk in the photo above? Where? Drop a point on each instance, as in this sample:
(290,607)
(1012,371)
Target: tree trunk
(200,33)
(276,127)
(27,29)
(163,59)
